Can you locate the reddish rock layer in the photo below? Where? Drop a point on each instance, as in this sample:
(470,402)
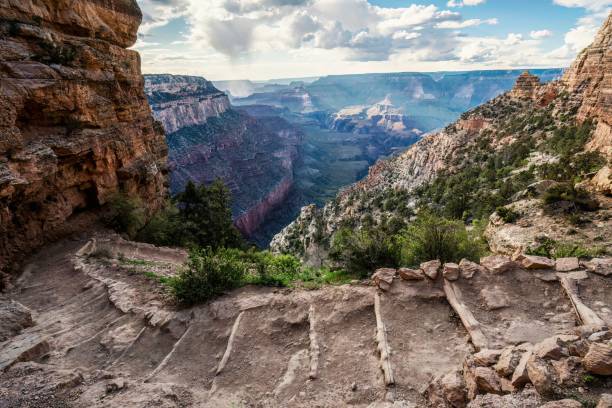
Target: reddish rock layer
(75,126)
(590,77)
(526,85)
(251,220)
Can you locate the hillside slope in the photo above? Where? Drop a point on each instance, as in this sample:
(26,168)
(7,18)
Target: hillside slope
(496,154)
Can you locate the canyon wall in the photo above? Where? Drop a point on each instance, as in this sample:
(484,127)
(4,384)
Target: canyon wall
(590,78)
(179,101)
(75,125)
(208,139)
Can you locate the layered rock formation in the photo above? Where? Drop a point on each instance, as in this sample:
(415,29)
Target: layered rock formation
(525,86)
(380,117)
(179,101)
(75,126)
(208,139)
(590,77)
(522,120)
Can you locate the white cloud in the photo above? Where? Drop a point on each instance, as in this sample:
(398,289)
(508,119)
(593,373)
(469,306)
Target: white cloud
(539,34)
(157,13)
(461,3)
(580,36)
(593,5)
(466,23)
(275,38)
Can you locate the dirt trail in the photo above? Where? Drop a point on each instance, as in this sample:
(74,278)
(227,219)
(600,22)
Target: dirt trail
(106,336)
(516,306)
(423,345)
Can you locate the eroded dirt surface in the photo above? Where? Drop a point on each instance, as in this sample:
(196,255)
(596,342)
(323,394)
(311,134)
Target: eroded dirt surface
(596,293)
(516,307)
(106,334)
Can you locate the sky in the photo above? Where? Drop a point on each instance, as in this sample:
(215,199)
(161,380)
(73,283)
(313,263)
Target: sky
(268,39)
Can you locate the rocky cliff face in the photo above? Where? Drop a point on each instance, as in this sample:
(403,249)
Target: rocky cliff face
(179,101)
(208,139)
(75,126)
(522,123)
(590,78)
(380,117)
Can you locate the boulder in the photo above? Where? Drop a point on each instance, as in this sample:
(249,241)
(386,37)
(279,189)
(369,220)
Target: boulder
(546,276)
(578,348)
(450,271)
(468,268)
(14,317)
(486,357)
(541,375)
(567,264)
(537,262)
(600,266)
(520,376)
(601,336)
(577,275)
(411,274)
(598,360)
(566,403)
(447,390)
(487,381)
(508,361)
(506,385)
(494,298)
(553,348)
(497,264)
(605,401)
(528,398)
(431,268)
(383,278)
(569,371)
(602,181)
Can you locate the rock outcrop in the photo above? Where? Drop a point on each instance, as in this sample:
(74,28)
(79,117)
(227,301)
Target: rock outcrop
(179,101)
(526,85)
(590,79)
(75,126)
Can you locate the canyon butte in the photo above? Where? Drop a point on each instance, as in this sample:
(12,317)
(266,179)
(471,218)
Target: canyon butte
(82,325)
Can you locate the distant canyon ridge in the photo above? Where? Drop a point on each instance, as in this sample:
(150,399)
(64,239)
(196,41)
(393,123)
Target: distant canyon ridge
(280,145)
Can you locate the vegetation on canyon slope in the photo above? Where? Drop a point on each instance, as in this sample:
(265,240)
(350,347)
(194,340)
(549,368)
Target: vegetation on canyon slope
(199,218)
(524,152)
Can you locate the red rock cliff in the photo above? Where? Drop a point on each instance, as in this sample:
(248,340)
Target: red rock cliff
(75,125)
(590,78)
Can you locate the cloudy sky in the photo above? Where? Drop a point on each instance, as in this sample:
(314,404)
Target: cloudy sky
(265,39)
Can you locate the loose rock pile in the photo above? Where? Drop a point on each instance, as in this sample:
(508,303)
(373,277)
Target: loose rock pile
(573,365)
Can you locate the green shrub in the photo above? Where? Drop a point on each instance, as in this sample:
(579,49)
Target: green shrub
(553,249)
(207,274)
(199,216)
(164,228)
(508,215)
(575,198)
(572,168)
(125,214)
(433,237)
(271,269)
(314,278)
(361,251)
(570,139)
